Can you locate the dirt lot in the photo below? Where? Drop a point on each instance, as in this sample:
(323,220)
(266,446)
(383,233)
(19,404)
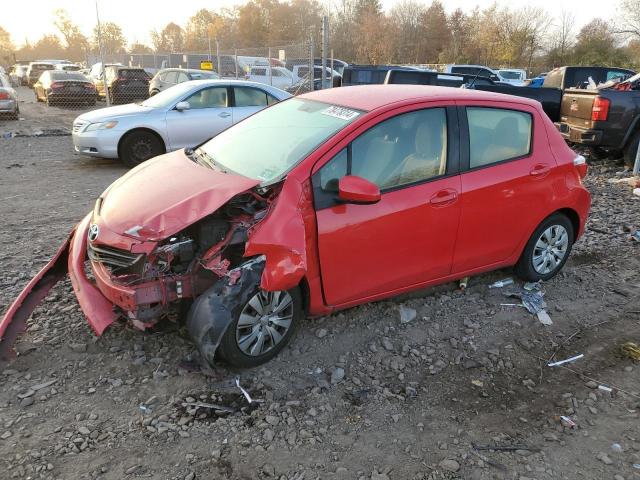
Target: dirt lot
(357,395)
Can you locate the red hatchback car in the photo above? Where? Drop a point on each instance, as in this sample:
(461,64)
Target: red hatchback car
(319,203)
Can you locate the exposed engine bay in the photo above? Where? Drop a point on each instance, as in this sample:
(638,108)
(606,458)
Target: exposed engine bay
(187,263)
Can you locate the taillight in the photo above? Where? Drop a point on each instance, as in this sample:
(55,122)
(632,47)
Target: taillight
(581,165)
(57,85)
(4,96)
(600,109)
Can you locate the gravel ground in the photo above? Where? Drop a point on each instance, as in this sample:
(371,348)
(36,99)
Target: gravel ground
(356,395)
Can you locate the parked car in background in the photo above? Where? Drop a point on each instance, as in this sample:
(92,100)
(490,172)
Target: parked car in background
(169,77)
(292,212)
(301,74)
(64,88)
(606,119)
(578,77)
(181,116)
(18,74)
(95,75)
(36,69)
(8,98)
(68,67)
(475,70)
(371,74)
(125,84)
(513,76)
(279,77)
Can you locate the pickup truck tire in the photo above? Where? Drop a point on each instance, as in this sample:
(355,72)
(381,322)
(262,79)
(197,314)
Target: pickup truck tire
(547,250)
(597,153)
(238,347)
(631,149)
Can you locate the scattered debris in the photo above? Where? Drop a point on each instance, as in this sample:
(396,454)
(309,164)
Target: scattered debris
(407,314)
(568,360)
(604,388)
(244,392)
(636,236)
(568,422)
(213,406)
(544,317)
(505,448)
(629,349)
(502,283)
(616,447)
(530,286)
(145,409)
(477,383)
(636,192)
(464,283)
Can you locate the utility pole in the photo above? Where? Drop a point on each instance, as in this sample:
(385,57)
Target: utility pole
(104,80)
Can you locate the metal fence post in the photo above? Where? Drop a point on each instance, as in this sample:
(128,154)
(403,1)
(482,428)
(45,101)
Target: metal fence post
(218,56)
(636,165)
(104,80)
(270,72)
(325,47)
(311,72)
(235,57)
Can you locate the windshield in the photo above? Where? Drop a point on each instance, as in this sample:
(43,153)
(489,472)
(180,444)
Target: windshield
(268,144)
(203,75)
(510,75)
(168,97)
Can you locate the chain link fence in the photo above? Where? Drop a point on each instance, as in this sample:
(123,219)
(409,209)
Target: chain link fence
(130,77)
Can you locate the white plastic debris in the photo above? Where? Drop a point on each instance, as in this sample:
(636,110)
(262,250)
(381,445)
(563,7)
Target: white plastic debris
(567,422)
(544,317)
(616,447)
(502,283)
(568,360)
(244,392)
(407,314)
(605,388)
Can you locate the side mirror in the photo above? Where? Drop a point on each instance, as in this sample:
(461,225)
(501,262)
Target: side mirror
(180,106)
(354,189)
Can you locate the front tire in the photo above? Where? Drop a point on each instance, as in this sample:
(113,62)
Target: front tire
(137,147)
(261,328)
(547,250)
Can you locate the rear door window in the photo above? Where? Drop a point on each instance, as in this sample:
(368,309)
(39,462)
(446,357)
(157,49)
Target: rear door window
(250,97)
(170,77)
(497,135)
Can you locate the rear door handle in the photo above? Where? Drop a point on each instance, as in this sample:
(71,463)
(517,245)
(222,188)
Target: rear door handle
(444,197)
(224,114)
(540,170)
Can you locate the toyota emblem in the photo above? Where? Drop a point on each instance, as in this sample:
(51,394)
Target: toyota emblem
(94,230)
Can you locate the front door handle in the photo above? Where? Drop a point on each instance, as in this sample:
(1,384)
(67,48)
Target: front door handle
(444,197)
(540,170)
(224,114)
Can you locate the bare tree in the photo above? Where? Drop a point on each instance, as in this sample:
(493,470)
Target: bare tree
(629,18)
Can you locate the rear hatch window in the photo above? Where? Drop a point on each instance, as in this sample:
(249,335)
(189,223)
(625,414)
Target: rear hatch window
(133,74)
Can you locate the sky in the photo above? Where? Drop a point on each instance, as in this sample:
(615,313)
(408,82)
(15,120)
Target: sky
(31,19)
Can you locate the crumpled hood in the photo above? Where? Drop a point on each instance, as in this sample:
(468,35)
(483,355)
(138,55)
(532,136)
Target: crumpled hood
(166,194)
(118,111)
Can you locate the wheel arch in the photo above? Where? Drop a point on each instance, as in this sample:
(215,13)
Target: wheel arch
(140,129)
(573,217)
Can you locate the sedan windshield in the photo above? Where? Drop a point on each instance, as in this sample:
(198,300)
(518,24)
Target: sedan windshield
(268,144)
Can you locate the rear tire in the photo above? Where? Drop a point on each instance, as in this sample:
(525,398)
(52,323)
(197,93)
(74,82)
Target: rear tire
(139,146)
(631,149)
(547,250)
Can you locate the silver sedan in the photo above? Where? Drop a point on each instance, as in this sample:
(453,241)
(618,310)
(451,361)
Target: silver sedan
(182,116)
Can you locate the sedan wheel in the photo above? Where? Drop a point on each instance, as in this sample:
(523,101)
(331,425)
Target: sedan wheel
(264,322)
(550,249)
(547,250)
(139,146)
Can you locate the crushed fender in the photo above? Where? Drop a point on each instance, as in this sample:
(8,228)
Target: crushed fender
(213,311)
(14,321)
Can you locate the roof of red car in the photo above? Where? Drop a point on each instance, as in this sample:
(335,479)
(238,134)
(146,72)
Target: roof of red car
(370,97)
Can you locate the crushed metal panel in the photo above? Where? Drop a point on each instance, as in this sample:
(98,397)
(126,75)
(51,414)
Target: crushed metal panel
(14,321)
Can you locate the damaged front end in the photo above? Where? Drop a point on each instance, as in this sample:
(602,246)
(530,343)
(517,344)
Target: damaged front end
(138,276)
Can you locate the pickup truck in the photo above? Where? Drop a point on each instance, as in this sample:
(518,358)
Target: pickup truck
(606,119)
(578,77)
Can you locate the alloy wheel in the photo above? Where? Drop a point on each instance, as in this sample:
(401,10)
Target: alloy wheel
(264,322)
(550,249)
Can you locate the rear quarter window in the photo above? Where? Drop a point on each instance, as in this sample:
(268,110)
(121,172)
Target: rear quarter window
(497,135)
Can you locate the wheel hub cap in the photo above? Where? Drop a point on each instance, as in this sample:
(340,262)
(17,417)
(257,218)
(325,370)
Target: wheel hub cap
(550,249)
(264,322)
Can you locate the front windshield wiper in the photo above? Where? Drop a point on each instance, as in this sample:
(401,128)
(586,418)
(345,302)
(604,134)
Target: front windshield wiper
(203,158)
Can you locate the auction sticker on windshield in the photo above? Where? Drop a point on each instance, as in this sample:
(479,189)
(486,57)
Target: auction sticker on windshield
(340,112)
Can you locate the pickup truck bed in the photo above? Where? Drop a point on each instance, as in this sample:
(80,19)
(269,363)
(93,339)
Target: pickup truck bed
(605,118)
